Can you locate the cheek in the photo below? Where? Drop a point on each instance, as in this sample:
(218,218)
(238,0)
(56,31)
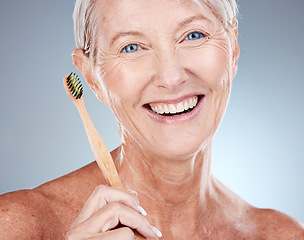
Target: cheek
(212,64)
(212,69)
(125,82)
(121,81)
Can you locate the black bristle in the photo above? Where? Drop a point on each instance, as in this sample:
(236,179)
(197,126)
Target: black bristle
(74,85)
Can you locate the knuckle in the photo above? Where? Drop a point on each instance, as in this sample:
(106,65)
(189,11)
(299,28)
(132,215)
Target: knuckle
(115,207)
(100,189)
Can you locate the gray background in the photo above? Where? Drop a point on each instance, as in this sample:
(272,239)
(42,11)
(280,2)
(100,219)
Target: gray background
(258,151)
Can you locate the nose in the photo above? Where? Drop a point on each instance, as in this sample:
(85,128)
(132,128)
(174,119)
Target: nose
(171,74)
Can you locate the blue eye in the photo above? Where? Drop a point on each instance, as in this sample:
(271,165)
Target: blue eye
(130,48)
(194,36)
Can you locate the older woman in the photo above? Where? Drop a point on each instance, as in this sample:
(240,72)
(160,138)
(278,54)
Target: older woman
(165,69)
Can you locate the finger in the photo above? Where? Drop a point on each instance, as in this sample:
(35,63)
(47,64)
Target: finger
(112,214)
(103,195)
(123,233)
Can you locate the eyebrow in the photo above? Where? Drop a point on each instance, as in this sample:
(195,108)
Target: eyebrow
(122,34)
(191,19)
(139,34)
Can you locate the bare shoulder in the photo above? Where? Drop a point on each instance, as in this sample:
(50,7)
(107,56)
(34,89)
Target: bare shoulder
(47,211)
(273,224)
(25,214)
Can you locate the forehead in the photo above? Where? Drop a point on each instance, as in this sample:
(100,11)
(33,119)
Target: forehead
(117,15)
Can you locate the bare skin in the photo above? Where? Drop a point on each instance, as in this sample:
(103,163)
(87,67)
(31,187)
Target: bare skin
(48,211)
(163,159)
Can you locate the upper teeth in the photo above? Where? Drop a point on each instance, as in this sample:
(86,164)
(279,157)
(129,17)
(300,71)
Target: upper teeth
(162,108)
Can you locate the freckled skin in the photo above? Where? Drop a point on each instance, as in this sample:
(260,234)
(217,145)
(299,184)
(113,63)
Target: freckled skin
(169,165)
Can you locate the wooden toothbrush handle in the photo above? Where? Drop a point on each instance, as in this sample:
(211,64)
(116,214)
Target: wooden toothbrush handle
(99,148)
(101,153)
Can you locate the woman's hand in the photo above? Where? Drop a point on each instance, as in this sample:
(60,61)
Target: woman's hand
(106,209)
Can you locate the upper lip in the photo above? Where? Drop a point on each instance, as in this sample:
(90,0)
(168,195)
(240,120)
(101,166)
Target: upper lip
(176,100)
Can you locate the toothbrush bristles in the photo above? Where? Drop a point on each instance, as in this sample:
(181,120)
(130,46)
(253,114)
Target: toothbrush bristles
(74,85)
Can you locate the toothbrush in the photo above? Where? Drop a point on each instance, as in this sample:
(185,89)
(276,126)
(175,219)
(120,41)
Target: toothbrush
(101,153)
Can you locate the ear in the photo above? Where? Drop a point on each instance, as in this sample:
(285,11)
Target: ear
(82,63)
(235,48)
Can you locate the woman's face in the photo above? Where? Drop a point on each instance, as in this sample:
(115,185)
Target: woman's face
(167,69)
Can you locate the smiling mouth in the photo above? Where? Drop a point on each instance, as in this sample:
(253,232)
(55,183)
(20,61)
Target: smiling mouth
(182,107)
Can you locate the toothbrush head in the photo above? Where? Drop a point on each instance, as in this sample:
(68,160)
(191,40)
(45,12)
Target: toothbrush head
(74,85)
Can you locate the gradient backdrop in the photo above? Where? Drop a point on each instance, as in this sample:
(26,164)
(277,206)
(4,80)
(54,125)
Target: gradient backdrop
(258,151)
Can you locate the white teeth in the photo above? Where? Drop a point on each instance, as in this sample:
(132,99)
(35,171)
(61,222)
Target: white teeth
(166,109)
(172,108)
(161,110)
(180,107)
(175,108)
(191,105)
(186,105)
(195,102)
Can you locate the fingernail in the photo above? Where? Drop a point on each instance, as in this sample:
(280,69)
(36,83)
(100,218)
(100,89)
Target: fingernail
(142,211)
(156,231)
(133,192)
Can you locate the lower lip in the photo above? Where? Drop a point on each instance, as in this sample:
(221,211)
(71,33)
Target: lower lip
(177,118)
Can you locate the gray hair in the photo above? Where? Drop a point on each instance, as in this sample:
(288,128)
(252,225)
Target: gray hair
(85,25)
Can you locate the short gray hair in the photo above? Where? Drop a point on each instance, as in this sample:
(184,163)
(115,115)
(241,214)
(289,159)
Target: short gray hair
(85,21)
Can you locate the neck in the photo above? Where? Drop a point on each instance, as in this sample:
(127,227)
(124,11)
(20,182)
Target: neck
(165,181)
(181,194)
